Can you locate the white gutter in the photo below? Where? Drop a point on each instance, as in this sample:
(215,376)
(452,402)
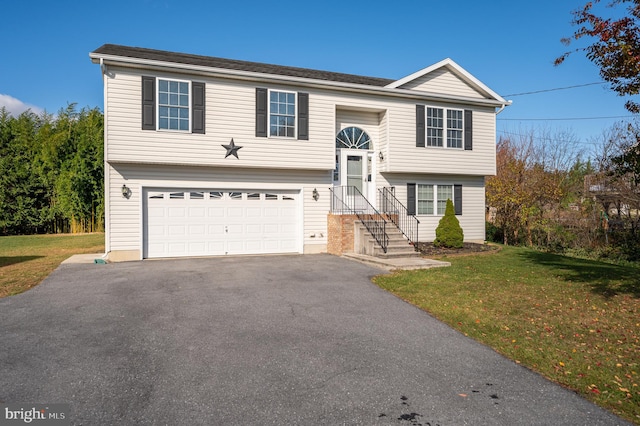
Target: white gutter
(264,77)
(503,107)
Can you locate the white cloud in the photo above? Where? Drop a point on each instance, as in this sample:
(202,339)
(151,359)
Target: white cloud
(16,106)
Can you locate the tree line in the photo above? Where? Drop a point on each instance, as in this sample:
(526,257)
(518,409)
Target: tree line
(546,194)
(51,172)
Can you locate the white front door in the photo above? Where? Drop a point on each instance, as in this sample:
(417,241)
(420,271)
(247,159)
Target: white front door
(356,168)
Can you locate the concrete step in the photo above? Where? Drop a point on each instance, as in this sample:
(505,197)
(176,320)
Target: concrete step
(394,255)
(397,250)
(394,241)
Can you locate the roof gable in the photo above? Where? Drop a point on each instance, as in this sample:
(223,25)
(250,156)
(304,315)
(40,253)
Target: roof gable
(446,77)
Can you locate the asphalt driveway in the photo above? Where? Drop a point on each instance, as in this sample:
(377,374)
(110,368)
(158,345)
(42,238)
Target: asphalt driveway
(279,340)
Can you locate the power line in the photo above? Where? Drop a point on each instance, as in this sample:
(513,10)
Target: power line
(567,119)
(554,89)
(543,138)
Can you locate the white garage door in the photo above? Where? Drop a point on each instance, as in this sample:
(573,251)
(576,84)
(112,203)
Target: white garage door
(219,222)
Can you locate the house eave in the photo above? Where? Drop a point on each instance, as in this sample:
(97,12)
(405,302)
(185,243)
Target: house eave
(131,62)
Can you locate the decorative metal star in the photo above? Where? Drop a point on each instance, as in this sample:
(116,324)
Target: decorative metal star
(232,149)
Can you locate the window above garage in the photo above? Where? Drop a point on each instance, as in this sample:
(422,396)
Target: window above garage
(173,105)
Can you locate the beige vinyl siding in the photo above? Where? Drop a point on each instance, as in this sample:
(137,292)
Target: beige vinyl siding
(230,113)
(442,81)
(125,215)
(472,219)
(405,157)
(397,133)
(383,145)
(367,121)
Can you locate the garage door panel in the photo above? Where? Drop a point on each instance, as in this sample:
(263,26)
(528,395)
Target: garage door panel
(272,245)
(215,247)
(218,222)
(215,212)
(235,247)
(253,246)
(287,212)
(156,230)
(271,228)
(234,229)
(156,212)
(156,249)
(253,212)
(287,229)
(176,212)
(254,229)
(176,230)
(235,212)
(271,211)
(215,230)
(196,230)
(196,211)
(177,249)
(197,248)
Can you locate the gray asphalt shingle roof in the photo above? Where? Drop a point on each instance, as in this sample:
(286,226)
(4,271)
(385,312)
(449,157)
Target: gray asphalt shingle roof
(213,62)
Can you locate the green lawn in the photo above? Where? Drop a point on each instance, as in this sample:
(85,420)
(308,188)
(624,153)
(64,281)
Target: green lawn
(26,260)
(575,321)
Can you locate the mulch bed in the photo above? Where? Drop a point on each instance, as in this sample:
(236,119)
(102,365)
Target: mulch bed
(429,250)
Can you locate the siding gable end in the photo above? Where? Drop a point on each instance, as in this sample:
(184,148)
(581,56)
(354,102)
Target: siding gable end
(443,81)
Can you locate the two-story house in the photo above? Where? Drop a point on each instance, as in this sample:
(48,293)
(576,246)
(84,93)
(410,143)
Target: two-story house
(211,156)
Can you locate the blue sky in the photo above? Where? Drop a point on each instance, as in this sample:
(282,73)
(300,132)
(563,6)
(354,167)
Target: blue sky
(510,46)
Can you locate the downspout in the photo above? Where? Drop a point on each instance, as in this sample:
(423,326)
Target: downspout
(107,177)
(497,112)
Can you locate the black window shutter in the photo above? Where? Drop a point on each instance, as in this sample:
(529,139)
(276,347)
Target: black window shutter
(197,107)
(457,199)
(303,116)
(468,129)
(261,113)
(420,125)
(148,103)
(411,198)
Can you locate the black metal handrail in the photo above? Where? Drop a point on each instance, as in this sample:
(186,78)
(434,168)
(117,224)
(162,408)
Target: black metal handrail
(349,200)
(397,213)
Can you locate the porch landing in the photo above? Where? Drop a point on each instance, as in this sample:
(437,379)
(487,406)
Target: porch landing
(405,263)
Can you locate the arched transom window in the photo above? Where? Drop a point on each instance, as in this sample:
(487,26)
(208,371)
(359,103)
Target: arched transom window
(353,138)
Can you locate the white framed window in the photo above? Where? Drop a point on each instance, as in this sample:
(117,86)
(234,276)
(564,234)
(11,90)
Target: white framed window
(432,199)
(443,132)
(425,199)
(443,193)
(174,102)
(434,126)
(282,114)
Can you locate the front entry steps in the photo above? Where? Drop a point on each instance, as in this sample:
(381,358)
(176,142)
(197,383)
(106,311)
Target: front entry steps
(398,246)
(400,254)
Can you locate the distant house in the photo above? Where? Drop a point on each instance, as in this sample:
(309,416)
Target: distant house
(210,156)
(618,196)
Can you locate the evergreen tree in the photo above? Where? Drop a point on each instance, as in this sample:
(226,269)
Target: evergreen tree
(449,233)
